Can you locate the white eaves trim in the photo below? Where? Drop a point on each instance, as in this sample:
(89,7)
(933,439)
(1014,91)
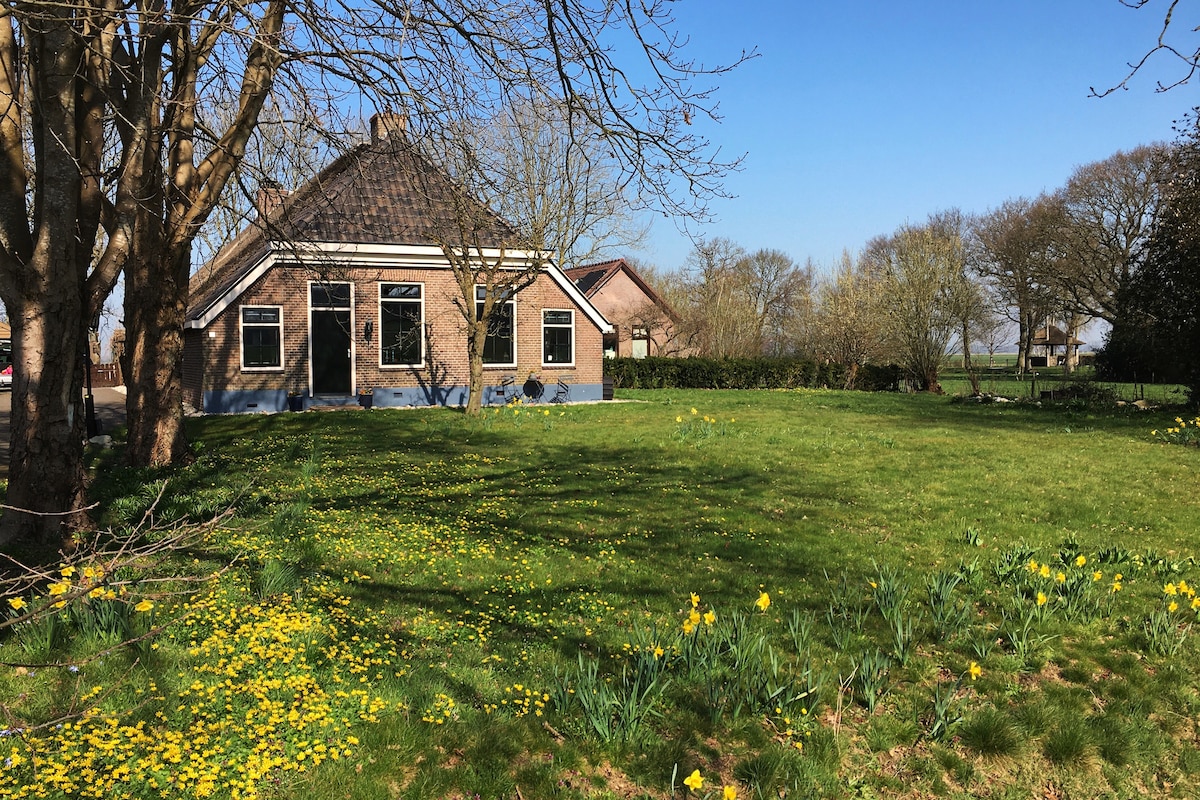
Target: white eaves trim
(381,255)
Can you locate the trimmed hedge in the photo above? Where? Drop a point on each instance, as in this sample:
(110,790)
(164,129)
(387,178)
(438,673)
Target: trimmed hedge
(744,373)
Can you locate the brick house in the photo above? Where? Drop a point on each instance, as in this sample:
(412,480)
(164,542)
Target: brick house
(643,323)
(341,287)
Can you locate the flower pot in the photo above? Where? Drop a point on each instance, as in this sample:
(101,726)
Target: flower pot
(366,400)
(295,402)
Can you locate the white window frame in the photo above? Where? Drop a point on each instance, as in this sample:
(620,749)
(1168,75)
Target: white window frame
(242,325)
(570,326)
(420,363)
(639,333)
(511,302)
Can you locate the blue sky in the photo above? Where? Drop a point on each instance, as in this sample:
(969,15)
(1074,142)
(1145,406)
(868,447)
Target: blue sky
(861,115)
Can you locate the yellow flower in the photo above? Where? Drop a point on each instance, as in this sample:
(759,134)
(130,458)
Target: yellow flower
(1116,587)
(679,419)
(145,605)
(1041,598)
(67,571)
(688,626)
(694,413)
(1080,561)
(709,617)
(694,617)
(59,587)
(1033,565)
(1060,577)
(694,781)
(1169,589)
(763,602)
(1173,607)
(695,599)
(1044,571)
(1097,575)
(974,670)
(1195,603)
(658,651)
(729,793)
(16,603)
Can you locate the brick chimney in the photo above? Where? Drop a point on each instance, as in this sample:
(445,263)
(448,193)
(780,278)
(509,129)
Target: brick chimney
(270,197)
(385,123)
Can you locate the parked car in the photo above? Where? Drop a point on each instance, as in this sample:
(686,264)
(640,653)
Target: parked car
(6,377)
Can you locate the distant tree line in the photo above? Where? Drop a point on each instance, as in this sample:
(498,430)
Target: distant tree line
(1119,242)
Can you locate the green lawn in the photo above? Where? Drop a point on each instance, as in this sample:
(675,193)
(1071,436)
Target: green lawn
(561,602)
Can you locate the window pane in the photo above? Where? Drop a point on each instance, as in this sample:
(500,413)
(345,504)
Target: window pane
(260,347)
(400,340)
(401,290)
(330,295)
(556,317)
(557,345)
(498,347)
(260,315)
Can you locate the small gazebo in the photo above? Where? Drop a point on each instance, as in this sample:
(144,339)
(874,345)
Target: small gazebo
(1050,338)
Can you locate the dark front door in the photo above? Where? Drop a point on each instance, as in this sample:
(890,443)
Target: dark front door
(330,331)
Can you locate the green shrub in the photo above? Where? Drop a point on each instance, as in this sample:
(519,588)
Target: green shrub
(744,373)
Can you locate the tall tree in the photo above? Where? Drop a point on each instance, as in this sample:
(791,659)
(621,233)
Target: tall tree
(1101,221)
(717,311)
(1157,336)
(848,319)
(123,111)
(1011,249)
(563,192)
(776,294)
(924,296)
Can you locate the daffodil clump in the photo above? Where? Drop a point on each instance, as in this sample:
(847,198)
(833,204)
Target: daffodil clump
(695,427)
(1185,432)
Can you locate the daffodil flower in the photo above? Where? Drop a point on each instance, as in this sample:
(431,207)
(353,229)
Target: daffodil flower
(694,781)
(763,602)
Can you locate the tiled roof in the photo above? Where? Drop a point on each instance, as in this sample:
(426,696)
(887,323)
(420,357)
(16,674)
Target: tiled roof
(591,279)
(384,192)
(1053,335)
(592,276)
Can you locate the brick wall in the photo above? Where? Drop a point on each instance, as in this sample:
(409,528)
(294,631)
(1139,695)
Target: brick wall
(446,352)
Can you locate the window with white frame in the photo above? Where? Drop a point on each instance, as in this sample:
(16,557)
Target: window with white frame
(558,337)
(500,347)
(262,337)
(401,324)
(639,347)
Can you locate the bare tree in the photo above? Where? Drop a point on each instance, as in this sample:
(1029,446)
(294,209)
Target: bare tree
(775,293)
(924,298)
(561,191)
(1011,249)
(1102,220)
(1169,43)
(118,104)
(716,310)
(848,321)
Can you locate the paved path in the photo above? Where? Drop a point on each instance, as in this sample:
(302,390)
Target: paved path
(110,412)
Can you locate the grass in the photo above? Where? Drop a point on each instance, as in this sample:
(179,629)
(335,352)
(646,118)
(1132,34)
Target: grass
(1050,382)
(561,602)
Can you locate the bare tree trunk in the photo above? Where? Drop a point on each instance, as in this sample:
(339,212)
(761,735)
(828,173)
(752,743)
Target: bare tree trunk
(43,275)
(155,306)
(46,474)
(476,337)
